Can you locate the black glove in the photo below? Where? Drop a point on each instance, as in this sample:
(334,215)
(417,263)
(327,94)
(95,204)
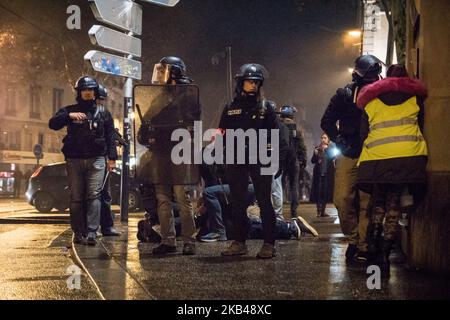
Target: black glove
(278,174)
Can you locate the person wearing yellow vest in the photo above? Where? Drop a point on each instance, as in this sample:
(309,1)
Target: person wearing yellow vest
(394,154)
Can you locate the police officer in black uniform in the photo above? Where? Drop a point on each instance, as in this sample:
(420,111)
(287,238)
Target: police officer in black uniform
(89,149)
(250,110)
(169,71)
(341,122)
(295,156)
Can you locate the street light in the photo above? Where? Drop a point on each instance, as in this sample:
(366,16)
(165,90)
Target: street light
(355,33)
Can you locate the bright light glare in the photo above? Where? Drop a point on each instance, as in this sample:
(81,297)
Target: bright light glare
(355,33)
(350,70)
(335,152)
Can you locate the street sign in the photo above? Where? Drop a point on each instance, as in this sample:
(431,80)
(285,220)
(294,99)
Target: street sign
(165,3)
(123,14)
(116,65)
(115,40)
(37,150)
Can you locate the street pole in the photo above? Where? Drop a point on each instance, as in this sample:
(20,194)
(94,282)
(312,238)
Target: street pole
(127,110)
(229,75)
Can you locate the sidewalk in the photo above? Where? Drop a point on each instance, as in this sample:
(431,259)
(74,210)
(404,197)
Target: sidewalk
(313,268)
(11,205)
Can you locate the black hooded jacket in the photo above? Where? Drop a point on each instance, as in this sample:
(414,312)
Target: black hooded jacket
(343,110)
(89,138)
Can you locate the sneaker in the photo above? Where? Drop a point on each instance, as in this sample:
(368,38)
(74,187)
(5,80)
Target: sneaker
(210,237)
(110,232)
(91,239)
(78,238)
(351,251)
(236,249)
(305,226)
(164,249)
(189,249)
(295,230)
(267,251)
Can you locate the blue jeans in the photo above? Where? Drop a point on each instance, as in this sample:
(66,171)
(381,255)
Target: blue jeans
(214,198)
(277,197)
(85,182)
(256,229)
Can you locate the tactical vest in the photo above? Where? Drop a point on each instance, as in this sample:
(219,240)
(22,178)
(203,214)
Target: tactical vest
(393,131)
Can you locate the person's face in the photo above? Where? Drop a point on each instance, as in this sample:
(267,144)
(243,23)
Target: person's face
(251,86)
(324,139)
(87,94)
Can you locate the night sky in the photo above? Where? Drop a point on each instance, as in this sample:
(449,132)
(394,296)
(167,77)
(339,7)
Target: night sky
(299,42)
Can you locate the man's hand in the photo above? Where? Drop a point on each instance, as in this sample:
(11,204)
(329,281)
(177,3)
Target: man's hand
(80,116)
(111,165)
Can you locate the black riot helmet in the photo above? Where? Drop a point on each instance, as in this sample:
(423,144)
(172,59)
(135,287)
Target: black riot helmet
(170,68)
(86,82)
(102,93)
(288,111)
(83,83)
(249,71)
(367,69)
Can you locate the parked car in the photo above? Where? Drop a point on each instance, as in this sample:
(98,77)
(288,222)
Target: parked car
(48,188)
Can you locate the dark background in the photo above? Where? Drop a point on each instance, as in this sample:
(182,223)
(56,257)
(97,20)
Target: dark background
(301,43)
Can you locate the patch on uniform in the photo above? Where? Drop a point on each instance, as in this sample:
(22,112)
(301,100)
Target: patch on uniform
(234,112)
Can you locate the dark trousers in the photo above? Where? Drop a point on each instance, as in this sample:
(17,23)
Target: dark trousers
(322,194)
(106,215)
(237,176)
(290,178)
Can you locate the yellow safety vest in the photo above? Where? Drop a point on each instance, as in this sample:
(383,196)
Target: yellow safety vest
(393,131)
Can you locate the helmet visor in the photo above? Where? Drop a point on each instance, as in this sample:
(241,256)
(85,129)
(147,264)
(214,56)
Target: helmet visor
(161,73)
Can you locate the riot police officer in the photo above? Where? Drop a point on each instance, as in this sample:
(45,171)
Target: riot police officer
(88,149)
(250,110)
(169,71)
(341,122)
(295,156)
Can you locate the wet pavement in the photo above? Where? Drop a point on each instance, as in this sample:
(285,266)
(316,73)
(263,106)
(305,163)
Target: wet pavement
(313,268)
(34,256)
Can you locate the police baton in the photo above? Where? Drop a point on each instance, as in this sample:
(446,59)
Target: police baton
(105,179)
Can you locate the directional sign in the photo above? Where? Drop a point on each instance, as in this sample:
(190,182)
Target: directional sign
(123,14)
(165,3)
(114,40)
(112,64)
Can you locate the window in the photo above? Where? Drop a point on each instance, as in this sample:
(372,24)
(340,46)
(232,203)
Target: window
(10,140)
(10,101)
(29,142)
(58,95)
(41,138)
(35,102)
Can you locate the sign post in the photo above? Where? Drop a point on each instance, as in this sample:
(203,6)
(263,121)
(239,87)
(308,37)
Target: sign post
(125,15)
(37,150)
